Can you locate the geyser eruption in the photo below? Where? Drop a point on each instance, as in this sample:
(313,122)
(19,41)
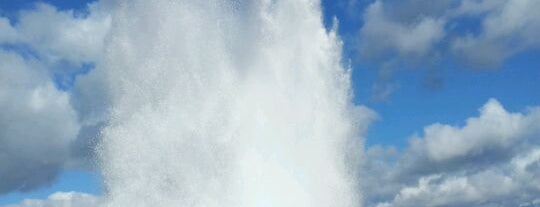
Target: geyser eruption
(227,103)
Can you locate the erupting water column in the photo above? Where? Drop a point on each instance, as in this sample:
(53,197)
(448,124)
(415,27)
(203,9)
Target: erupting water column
(227,103)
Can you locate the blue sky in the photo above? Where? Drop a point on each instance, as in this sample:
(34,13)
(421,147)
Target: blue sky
(415,104)
(71,180)
(443,89)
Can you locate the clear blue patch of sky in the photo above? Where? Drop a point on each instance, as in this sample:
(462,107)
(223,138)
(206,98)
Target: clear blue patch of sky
(69,180)
(349,16)
(24,51)
(66,79)
(13,6)
(413,105)
(466,25)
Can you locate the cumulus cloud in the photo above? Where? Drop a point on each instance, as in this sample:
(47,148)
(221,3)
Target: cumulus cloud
(490,161)
(67,36)
(40,126)
(62,199)
(381,34)
(483,189)
(36,126)
(8,33)
(494,130)
(500,185)
(507,29)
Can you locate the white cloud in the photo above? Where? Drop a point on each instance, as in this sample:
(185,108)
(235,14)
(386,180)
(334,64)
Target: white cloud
(39,127)
(424,29)
(36,127)
(423,34)
(59,35)
(62,199)
(495,129)
(380,34)
(493,160)
(508,28)
(8,33)
(498,185)
(434,190)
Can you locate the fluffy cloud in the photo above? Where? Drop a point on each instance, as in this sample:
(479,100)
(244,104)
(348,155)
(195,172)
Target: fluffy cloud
(508,28)
(63,199)
(493,160)
(495,130)
(509,184)
(40,127)
(67,36)
(381,35)
(8,33)
(36,127)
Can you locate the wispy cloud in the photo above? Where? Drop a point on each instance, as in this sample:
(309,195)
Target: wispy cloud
(419,33)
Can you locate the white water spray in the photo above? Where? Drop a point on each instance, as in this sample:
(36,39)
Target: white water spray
(227,103)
